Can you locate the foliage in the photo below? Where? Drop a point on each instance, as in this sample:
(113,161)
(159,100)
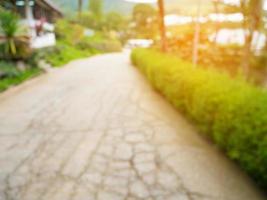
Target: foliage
(101,44)
(62,53)
(8,69)
(9,23)
(187,7)
(96,7)
(252,11)
(145,21)
(114,22)
(69,35)
(230,8)
(13,45)
(69,31)
(73,44)
(231,112)
(91,21)
(23,50)
(15,76)
(226,58)
(6,4)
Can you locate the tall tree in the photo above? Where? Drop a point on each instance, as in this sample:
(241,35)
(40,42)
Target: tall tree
(96,7)
(162,25)
(252,12)
(80,7)
(144,18)
(114,21)
(196,34)
(217,24)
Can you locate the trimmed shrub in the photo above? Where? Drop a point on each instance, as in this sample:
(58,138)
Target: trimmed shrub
(230,111)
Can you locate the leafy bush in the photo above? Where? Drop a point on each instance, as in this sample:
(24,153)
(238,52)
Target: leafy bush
(107,46)
(100,44)
(69,36)
(73,44)
(8,70)
(13,76)
(231,112)
(221,57)
(62,53)
(69,32)
(115,21)
(12,44)
(89,20)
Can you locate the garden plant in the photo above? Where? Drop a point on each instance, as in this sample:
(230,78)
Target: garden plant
(230,111)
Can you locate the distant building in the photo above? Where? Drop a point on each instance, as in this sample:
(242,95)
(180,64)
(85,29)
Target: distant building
(39,16)
(38,8)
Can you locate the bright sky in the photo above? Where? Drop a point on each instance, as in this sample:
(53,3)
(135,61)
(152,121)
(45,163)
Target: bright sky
(154,1)
(232,1)
(142,1)
(226,1)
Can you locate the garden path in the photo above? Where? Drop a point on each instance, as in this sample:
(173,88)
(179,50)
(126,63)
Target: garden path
(95,129)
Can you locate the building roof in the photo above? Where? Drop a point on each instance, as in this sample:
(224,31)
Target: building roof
(51,5)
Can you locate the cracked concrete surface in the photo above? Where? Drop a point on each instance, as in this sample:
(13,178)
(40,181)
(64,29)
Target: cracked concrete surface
(96,130)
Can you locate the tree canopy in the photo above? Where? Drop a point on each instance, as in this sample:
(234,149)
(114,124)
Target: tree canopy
(144,18)
(96,7)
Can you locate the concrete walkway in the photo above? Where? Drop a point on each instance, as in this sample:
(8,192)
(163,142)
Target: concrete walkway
(96,130)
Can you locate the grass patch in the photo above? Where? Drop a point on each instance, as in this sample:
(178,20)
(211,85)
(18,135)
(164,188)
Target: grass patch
(231,112)
(63,53)
(14,76)
(73,44)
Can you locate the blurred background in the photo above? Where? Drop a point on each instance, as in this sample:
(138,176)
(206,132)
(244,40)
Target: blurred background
(208,57)
(227,35)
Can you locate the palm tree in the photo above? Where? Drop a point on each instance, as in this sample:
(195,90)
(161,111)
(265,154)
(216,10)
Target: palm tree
(15,44)
(9,27)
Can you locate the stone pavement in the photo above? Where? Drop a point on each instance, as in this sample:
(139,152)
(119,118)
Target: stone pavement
(95,130)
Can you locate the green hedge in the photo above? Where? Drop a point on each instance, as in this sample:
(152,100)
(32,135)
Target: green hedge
(231,112)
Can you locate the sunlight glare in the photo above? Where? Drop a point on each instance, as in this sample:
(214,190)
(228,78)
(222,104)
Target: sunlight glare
(141,1)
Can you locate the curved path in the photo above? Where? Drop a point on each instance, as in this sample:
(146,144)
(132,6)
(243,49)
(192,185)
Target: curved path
(96,130)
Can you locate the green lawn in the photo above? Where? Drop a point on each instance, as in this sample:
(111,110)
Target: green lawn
(16,77)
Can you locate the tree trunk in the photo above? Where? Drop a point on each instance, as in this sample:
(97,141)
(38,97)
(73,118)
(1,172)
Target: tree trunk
(252,21)
(80,7)
(162,25)
(247,54)
(217,25)
(196,35)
